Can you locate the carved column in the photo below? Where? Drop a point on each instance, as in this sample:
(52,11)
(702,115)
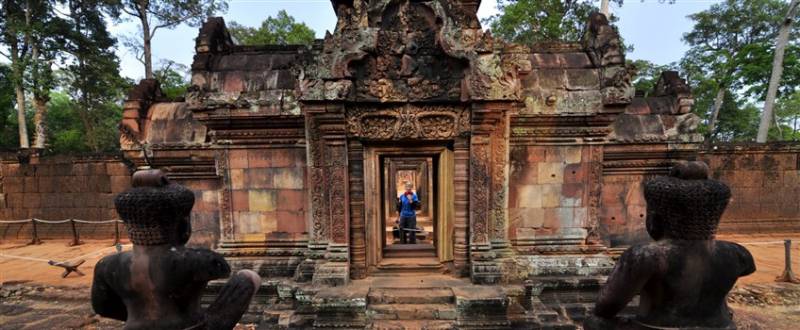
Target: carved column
(488,170)
(357,220)
(328,250)
(461,184)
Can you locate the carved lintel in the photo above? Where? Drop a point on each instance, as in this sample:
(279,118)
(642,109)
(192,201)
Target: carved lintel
(408,122)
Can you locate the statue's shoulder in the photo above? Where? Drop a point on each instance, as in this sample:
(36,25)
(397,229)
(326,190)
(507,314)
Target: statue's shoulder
(646,254)
(116,259)
(209,261)
(736,253)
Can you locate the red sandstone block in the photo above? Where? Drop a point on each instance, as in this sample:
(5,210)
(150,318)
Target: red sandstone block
(288,178)
(551,219)
(13,184)
(237,158)
(117,169)
(291,200)
(291,222)
(81,169)
(31,201)
(30,184)
(575,173)
(120,183)
(281,158)
(259,158)
(9,170)
(258,178)
(772,179)
(572,191)
(47,184)
(14,200)
(97,169)
(233,82)
(240,200)
(613,216)
(536,154)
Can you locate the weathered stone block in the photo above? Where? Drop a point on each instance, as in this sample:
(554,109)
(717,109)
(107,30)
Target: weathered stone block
(580,102)
(551,195)
(262,200)
(117,169)
(247,222)
(582,79)
(31,200)
(30,184)
(237,158)
(258,178)
(291,200)
(240,200)
(532,217)
(530,196)
(237,179)
(289,178)
(259,158)
(551,173)
(120,183)
(291,222)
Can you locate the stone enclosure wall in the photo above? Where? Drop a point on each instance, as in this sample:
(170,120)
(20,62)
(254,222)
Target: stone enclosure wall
(764,180)
(58,188)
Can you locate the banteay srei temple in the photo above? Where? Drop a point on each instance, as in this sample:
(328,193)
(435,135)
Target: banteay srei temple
(411,171)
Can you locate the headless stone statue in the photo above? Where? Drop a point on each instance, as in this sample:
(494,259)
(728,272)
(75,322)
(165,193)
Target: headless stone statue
(684,276)
(159,284)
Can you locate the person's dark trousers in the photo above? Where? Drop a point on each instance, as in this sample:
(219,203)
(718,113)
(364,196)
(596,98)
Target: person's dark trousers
(405,235)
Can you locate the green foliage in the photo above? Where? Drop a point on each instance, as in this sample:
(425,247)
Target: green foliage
(647,75)
(731,48)
(172,77)
(280,30)
(531,21)
(8,115)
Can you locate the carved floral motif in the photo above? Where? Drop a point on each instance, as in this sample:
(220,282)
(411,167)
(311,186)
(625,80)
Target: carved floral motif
(408,122)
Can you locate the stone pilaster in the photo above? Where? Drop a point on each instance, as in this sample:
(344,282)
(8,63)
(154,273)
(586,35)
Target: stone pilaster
(327,154)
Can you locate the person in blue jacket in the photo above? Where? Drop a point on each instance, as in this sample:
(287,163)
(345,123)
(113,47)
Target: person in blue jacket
(407,204)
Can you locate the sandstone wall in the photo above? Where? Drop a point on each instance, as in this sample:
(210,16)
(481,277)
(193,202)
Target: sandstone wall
(765,183)
(57,188)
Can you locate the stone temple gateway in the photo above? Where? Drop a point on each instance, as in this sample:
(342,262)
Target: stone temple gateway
(293,151)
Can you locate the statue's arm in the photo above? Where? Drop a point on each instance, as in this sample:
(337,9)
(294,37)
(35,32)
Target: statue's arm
(105,301)
(629,276)
(746,260)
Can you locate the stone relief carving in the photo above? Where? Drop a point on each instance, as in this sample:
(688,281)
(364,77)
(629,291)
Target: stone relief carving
(408,122)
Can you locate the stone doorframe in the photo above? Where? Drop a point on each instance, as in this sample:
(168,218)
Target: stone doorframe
(373,244)
(338,135)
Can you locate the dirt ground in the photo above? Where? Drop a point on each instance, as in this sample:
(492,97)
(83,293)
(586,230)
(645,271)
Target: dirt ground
(15,270)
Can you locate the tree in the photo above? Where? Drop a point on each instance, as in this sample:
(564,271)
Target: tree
(15,24)
(91,78)
(165,14)
(8,130)
(720,38)
(172,77)
(280,30)
(777,70)
(647,75)
(531,21)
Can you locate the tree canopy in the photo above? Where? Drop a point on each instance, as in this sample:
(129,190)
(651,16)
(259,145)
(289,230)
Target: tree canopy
(279,30)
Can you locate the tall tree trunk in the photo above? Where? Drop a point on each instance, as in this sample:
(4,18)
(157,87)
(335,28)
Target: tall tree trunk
(777,71)
(604,7)
(23,126)
(712,122)
(40,98)
(146,39)
(40,136)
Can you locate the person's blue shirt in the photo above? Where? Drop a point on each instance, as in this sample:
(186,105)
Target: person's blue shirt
(407,206)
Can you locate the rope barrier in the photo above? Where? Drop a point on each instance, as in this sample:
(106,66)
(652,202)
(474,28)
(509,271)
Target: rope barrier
(761,243)
(60,221)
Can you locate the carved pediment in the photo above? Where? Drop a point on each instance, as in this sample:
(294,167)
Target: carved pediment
(409,51)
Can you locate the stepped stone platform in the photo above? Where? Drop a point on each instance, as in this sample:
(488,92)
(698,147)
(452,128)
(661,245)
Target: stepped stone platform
(422,300)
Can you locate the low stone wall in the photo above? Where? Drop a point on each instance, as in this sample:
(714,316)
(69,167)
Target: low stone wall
(57,188)
(765,186)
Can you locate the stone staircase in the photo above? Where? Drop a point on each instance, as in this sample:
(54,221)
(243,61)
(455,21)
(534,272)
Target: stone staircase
(411,308)
(409,266)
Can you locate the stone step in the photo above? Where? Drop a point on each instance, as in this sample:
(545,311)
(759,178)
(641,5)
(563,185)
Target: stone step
(425,253)
(411,325)
(411,296)
(395,266)
(411,312)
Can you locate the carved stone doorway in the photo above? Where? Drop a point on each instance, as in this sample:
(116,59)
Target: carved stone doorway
(420,174)
(434,167)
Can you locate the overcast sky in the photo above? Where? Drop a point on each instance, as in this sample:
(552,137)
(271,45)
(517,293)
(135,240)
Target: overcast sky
(652,27)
